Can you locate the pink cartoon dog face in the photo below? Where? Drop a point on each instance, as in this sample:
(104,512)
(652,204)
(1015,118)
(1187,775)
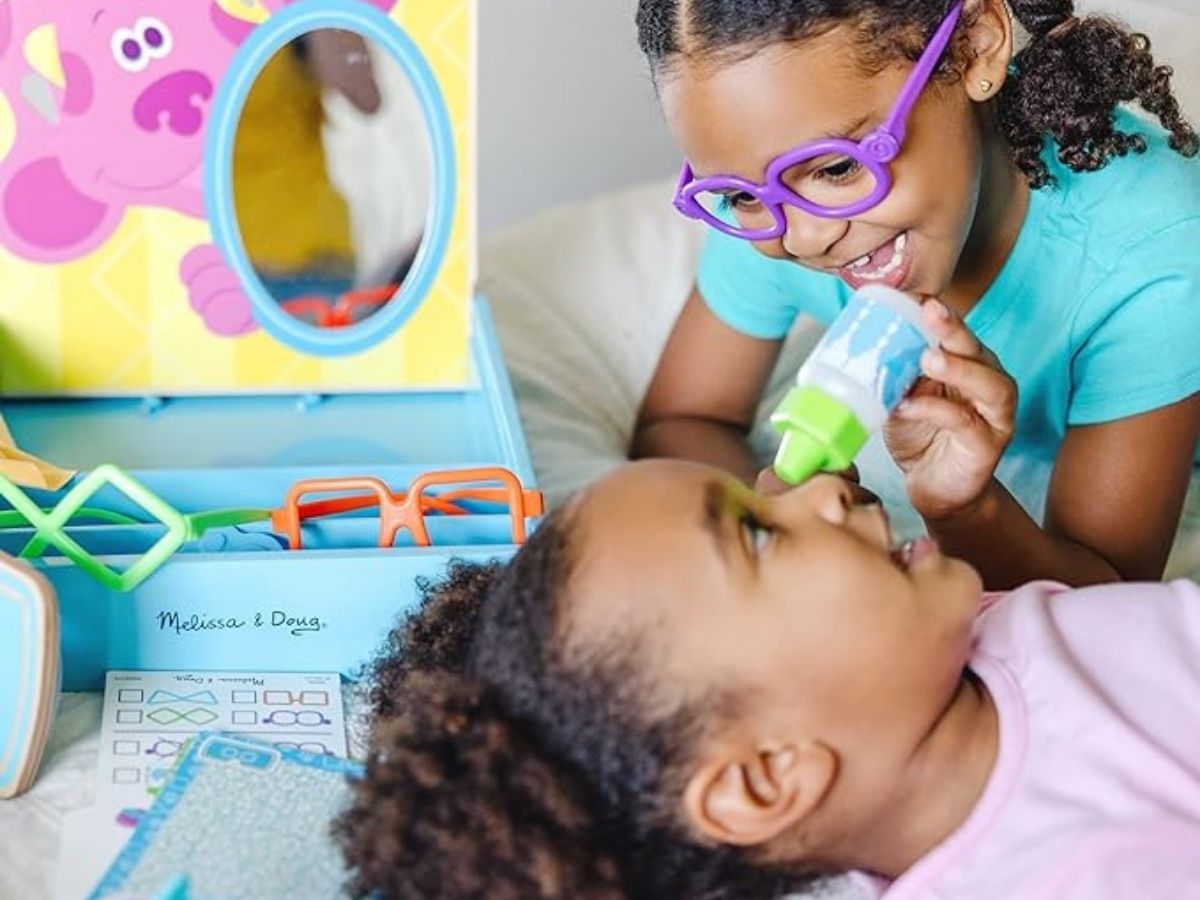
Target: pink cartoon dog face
(121,125)
(118,120)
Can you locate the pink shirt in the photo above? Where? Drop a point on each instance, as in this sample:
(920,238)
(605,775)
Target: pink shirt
(1096,790)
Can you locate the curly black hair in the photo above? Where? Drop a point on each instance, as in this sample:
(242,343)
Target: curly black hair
(1066,84)
(457,802)
(513,762)
(434,638)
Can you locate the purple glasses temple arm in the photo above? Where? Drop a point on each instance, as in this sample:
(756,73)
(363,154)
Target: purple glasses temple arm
(915,84)
(685,178)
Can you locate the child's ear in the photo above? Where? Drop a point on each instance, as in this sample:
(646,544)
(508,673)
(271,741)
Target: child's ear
(751,798)
(991,36)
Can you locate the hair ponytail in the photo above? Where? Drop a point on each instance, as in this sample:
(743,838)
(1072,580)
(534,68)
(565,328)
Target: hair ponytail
(1069,82)
(460,803)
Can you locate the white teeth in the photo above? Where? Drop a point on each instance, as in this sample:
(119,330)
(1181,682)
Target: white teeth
(892,264)
(860,262)
(903,554)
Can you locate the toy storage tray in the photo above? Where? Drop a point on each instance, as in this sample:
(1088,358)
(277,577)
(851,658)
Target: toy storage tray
(226,603)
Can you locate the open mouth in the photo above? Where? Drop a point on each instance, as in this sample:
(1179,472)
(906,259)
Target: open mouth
(911,553)
(887,264)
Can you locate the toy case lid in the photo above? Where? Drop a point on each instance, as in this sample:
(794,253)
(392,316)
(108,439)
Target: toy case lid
(249,197)
(259,269)
(260,262)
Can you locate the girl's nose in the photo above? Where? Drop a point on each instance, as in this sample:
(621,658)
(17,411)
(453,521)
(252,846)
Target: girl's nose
(809,238)
(827,496)
(832,498)
(839,502)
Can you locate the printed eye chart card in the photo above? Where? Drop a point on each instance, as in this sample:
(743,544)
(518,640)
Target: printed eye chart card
(146,720)
(148,716)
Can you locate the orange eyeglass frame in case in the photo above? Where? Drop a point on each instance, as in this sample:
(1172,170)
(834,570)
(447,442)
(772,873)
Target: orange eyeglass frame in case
(406,509)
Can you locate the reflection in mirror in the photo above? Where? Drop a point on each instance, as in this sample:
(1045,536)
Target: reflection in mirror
(331,177)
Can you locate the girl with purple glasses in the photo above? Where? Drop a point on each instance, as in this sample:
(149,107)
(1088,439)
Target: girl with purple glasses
(836,143)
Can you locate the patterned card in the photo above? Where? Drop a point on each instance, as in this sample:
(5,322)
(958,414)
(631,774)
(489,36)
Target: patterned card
(241,820)
(149,716)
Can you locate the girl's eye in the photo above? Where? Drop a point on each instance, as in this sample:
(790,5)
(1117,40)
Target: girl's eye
(842,170)
(758,536)
(740,200)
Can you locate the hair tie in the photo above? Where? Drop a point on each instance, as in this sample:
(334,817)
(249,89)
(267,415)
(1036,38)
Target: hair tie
(1063,28)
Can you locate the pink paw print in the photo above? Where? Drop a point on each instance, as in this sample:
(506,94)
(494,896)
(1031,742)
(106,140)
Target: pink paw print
(215,292)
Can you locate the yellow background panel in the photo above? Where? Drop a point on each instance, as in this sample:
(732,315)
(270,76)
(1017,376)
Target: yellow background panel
(118,321)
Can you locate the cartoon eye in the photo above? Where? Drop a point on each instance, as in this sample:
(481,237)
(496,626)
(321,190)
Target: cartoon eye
(155,37)
(128,51)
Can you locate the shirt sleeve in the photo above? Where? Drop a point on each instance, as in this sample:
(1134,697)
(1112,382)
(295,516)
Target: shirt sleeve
(1136,334)
(750,292)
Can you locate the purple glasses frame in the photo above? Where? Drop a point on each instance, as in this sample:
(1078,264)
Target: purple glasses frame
(875,152)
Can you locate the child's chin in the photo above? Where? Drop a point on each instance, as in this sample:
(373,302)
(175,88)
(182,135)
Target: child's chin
(957,586)
(968,584)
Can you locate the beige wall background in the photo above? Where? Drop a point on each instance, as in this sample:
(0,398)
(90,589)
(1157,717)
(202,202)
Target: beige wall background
(567,109)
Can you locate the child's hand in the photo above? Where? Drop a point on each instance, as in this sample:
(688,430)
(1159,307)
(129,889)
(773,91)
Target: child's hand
(949,434)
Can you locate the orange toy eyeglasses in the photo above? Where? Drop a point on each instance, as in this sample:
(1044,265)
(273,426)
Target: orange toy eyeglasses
(407,509)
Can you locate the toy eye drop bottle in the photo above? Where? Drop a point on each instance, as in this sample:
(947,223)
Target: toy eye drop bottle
(863,367)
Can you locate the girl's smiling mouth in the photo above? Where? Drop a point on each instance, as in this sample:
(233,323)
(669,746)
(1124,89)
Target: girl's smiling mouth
(888,264)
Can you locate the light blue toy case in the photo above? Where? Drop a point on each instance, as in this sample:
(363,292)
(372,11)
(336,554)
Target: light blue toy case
(180,75)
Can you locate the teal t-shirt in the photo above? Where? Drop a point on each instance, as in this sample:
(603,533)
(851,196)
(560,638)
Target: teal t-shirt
(1095,314)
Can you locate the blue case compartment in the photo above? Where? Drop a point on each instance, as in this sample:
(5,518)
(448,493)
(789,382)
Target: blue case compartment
(226,603)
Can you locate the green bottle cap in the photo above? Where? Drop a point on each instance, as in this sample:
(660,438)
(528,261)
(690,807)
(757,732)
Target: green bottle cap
(819,434)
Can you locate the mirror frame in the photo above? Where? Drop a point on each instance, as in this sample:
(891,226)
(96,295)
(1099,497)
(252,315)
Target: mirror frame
(266,40)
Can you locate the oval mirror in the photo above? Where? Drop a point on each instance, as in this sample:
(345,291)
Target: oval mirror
(338,161)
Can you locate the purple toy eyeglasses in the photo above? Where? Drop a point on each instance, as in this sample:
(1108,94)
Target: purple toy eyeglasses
(833,179)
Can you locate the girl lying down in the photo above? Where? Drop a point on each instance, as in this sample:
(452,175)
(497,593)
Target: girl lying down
(681,689)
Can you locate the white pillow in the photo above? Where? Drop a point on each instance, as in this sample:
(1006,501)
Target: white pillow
(584,298)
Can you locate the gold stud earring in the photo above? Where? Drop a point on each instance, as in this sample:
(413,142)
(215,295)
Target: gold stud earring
(985,85)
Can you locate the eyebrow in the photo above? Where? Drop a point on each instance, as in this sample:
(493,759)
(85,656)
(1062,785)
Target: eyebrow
(847,131)
(96,18)
(716,502)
